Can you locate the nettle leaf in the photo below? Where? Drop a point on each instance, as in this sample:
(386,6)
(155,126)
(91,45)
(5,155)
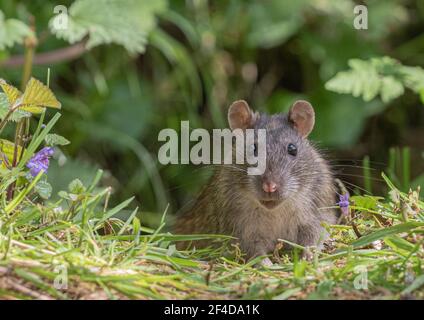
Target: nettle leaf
(37,96)
(12,32)
(126,23)
(7,149)
(5,107)
(382,76)
(11,92)
(44,189)
(53,139)
(76,187)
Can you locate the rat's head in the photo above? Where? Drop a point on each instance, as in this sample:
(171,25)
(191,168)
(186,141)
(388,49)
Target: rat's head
(290,159)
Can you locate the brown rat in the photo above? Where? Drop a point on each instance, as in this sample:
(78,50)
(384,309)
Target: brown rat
(288,201)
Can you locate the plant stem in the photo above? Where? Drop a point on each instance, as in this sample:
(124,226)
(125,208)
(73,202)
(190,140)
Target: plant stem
(30,44)
(22,128)
(56,56)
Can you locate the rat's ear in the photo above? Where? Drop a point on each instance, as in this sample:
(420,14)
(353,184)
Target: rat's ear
(302,116)
(240,116)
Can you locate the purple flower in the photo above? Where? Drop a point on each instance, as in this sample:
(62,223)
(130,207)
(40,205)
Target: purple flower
(40,161)
(344,203)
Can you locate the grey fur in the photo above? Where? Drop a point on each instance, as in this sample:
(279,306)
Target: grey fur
(230,202)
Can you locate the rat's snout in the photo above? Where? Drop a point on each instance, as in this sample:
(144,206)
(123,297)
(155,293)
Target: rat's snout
(269,186)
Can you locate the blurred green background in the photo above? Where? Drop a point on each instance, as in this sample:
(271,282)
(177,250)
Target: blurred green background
(201,55)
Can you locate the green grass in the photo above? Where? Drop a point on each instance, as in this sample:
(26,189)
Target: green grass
(103,257)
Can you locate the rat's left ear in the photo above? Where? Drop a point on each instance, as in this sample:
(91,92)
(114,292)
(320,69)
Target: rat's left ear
(302,116)
(240,116)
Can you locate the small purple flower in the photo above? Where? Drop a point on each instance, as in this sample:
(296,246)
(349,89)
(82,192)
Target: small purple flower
(40,161)
(344,203)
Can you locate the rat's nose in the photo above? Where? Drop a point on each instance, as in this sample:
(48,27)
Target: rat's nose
(269,187)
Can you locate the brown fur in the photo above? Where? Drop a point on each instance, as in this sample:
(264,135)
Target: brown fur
(230,202)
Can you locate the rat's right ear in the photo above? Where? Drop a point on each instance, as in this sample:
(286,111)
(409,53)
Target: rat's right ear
(240,116)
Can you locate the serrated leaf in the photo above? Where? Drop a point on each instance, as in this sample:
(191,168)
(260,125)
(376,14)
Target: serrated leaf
(341,83)
(8,99)
(12,31)
(44,189)
(5,107)
(37,96)
(391,89)
(76,187)
(414,78)
(53,139)
(7,149)
(371,85)
(11,92)
(382,76)
(126,23)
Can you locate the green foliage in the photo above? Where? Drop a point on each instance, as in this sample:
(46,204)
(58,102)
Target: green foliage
(5,107)
(272,26)
(44,189)
(35,99)
(53,139)
(12,31)
(127,23)
(97,255)
(275,23)
(378,76)
(76,187)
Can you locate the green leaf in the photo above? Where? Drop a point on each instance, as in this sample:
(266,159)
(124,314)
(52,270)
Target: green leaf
(391,89)
(37,96)
(64,195)
(127,23)
(76,187)
(53,139)
(11,92)
(12,32)
(114,211)
(44,189)
(274,23)
(7,148)
(399,244)
(379,234)
(367,202)
(418,282)
(5,107)
(382,76)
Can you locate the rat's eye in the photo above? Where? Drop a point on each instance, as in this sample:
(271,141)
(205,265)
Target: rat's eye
(292,149)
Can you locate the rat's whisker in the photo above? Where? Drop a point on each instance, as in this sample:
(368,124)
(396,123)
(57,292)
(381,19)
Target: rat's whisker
(358,176)
(355,186)
(352,166)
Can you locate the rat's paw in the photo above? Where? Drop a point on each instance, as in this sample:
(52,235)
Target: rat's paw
(308,254)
